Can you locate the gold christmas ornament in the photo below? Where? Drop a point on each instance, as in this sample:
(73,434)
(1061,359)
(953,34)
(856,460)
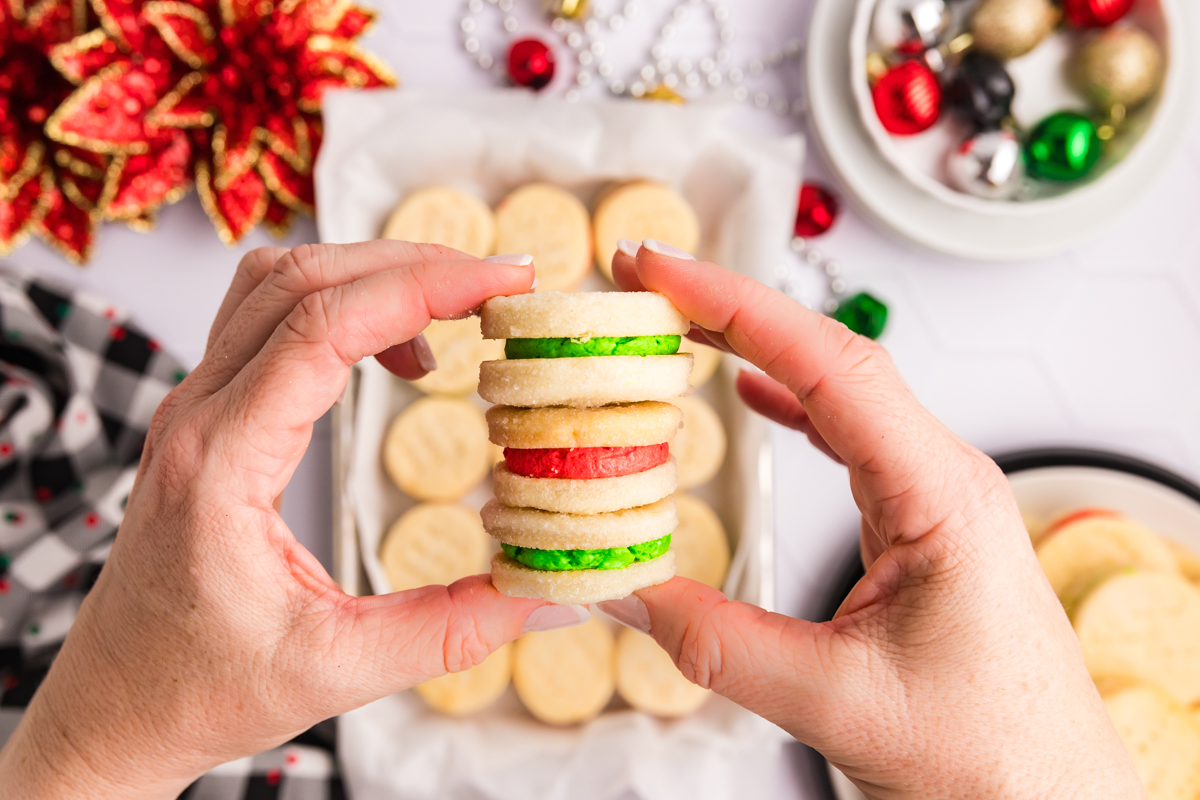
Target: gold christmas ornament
(1120,67)
(567,9)
(1010,28)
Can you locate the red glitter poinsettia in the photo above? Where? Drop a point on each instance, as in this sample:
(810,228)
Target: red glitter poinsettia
(237,84)
(46,188)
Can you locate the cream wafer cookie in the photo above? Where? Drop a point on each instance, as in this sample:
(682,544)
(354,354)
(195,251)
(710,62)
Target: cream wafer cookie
(579,587)
(544,530)
(581,315)
(642,210)
(596,496)
(444,215)
(585,382)
(565,676)
(627,425)
(552,225)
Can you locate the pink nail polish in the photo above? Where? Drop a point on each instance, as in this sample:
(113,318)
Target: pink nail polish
(549,618)
(423,353)
(629,611)
(664,249)
(511,259)
(628,247)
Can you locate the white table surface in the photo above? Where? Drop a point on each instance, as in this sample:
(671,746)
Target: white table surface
(1098,347)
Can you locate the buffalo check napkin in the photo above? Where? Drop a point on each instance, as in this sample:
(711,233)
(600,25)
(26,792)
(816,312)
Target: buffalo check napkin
(79,384)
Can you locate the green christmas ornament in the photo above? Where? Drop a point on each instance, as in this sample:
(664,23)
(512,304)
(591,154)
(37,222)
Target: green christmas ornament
(862,314)
(1062,147)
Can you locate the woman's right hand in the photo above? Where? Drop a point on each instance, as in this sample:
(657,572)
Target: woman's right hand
(950,670)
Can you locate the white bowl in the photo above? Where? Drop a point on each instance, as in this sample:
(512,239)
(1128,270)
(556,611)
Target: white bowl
(950,223)
(1042,89)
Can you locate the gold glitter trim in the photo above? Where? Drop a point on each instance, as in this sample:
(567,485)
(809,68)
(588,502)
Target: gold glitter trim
(209,201)
(78,98)
(156,13)
(300,157)
(221,156)
(203,119)
(30,165)
(77,46)
(109,23)
(52,241)
(275,186)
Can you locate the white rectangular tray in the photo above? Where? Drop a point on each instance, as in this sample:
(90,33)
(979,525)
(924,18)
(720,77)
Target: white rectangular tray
(379,146)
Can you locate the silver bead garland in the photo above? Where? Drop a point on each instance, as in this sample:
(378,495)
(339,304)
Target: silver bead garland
(685,76)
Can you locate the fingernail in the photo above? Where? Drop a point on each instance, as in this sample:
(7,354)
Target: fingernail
(424,354)
(664,249)
(629,611)
(548,618)
(511,259)
(533,285)
(628,247)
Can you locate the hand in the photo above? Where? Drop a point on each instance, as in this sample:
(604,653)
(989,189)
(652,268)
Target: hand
(211,633)
(951,669)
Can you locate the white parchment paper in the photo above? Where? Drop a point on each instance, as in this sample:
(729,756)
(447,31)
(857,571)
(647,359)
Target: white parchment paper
(378,147)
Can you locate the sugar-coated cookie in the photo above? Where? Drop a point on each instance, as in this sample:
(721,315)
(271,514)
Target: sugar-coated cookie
(595,496)
(705,361)
(584,314)
(699,448)
(552,225)
(584,382)
(628,425)
(579,586)
(530,527)
(459,347)
(472,690)
(642,210)
(437,449)
(566,676)
(700,543)
(434,544)
(649,681)
(444,215)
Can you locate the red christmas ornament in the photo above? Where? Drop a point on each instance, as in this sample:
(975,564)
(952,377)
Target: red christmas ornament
(229,92)
(817,210)
(531,64)
(46,188)
(1094,13)
(907,98)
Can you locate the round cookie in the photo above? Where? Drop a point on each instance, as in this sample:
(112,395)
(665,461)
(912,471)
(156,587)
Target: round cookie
(565,676)
(459,347)
(699,448)
(437,449)
(444,215)
(642,210)
(433,544)
(699,541)
(705,360)
(584,382)
(579,587)
(630,425)
(649,681)
(584,314)
(472,690)
(552,225)
(543,530)
(595,496)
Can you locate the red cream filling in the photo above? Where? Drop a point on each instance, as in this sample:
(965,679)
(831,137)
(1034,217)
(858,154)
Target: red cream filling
(582,463)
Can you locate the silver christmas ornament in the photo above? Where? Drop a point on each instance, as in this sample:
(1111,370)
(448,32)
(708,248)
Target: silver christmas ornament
(910,26)
(987,165)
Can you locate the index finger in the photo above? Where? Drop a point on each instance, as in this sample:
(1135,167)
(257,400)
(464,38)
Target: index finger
(850,390)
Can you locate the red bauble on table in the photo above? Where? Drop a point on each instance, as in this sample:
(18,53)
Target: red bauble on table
(817,210)
(1094,13)
(907,98)
(531,63)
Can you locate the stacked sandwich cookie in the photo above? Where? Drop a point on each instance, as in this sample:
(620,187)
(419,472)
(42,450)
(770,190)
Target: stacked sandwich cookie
(583,509)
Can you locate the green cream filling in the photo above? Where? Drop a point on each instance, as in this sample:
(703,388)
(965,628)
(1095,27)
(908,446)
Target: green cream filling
(564,560)
(592,346)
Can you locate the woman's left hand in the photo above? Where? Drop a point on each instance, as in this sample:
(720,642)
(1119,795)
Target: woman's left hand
(211,633)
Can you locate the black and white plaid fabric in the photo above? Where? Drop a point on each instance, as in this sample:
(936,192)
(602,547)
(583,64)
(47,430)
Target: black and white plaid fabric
(78,386)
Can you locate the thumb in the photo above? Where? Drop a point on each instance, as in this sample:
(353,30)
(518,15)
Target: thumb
(399,640)
(777,666)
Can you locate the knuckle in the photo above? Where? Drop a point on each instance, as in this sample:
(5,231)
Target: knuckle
(177,456)
(303,268)
(257,264)
(701,658)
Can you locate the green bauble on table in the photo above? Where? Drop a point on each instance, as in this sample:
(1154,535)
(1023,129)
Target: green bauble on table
(1062,147)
